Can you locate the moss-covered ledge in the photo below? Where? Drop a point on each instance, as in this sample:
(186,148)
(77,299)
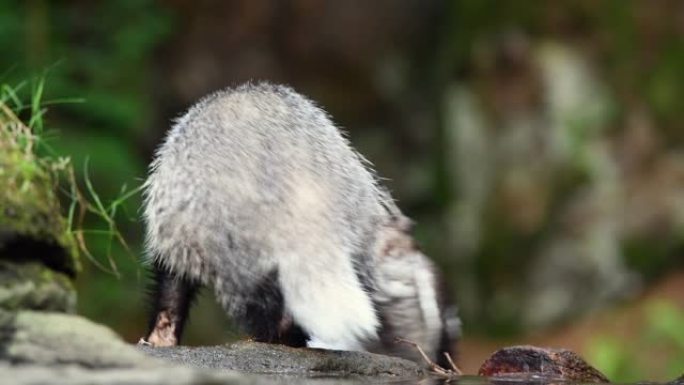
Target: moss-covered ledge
(30,216)
(38,256)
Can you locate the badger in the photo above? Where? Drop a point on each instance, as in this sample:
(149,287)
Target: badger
(257,194)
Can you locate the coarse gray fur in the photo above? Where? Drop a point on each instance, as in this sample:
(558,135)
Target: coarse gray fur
(255,180)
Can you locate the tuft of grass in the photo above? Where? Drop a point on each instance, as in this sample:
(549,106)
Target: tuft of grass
(22,131)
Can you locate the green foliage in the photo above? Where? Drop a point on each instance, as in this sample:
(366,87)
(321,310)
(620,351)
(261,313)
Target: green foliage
(38,163)
(624,360)
(103,58)
(28,204)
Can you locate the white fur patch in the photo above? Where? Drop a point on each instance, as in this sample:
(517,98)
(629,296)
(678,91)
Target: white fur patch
(328,302)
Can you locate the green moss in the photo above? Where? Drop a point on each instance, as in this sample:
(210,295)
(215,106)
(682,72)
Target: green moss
(29,207)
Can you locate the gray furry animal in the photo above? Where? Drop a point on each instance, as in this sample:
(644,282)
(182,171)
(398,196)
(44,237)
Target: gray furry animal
(256,193)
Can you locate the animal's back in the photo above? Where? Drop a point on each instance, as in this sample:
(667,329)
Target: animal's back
(256,183)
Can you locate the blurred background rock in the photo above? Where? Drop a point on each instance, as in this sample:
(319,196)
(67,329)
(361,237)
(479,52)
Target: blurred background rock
(539,145)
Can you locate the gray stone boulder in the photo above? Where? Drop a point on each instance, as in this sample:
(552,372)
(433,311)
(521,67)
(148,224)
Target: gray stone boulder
(50,339)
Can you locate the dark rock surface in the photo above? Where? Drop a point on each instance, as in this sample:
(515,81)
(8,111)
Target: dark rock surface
(253,357)
(75,375)
(526,361)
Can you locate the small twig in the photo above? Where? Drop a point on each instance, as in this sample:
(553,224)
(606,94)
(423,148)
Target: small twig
(454,368)
(448,374)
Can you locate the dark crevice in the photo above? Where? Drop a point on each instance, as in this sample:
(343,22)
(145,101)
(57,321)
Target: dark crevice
(23,249)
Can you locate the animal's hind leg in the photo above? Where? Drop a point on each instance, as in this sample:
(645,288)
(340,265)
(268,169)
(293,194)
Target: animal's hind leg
(172,297)
(263,315)
(291,334)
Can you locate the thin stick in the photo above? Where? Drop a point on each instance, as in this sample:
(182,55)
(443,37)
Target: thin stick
(453,365)
(434,367)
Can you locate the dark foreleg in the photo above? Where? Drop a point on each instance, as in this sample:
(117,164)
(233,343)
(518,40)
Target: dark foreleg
(172,297)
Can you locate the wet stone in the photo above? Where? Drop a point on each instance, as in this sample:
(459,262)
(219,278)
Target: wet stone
(535,362)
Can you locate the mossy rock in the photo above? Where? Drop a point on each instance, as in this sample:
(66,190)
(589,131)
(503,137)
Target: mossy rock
(32,227)
(34,286)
